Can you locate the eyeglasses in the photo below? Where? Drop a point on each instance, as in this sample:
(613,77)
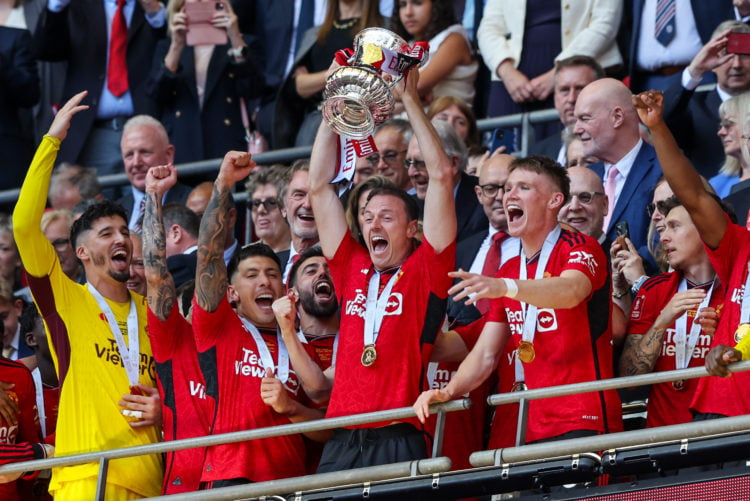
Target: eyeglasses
(490,190)
(661,206)
(268,203)
(60,242)
(418,164)
(586,197)
(389,157)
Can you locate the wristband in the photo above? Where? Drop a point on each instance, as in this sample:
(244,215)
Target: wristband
(511,286)
(638,283)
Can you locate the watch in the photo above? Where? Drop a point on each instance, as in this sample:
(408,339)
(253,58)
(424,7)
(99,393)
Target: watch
(238,52)
(637,284)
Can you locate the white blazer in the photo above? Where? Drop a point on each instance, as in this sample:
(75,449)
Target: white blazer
(589,28)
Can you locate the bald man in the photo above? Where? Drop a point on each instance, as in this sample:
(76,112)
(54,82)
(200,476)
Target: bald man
(607,123)
(472,252)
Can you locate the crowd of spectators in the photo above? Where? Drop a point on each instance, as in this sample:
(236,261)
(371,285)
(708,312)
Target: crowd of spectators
(445,268)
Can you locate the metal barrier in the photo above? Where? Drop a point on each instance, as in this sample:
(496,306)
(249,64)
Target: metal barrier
(521,453)
(523,120)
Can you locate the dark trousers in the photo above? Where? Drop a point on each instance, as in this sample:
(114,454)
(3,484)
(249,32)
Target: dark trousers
(358,448)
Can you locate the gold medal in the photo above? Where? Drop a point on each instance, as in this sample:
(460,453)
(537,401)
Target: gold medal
(525,352)
(678,385)
(519,386)
(369,354)
(741,332)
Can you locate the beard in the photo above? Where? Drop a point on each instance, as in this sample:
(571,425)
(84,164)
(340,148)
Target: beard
(315,309)
(120,276)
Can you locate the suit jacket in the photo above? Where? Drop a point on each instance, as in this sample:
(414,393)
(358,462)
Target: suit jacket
(19,88)
(707,15)
(78,34)
(207,131)
(636,194)
(739,200)
(177,194)
(470,217)
(466,251)
(693,117)
(549,147)
(182,267)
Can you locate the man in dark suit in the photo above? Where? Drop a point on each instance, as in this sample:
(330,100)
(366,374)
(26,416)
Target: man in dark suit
(571,76)
(77,32)
(181,238)
(694,116)
(14,344)
(474,253)
(470,217)
(649,63)
(608,125)
(145,144)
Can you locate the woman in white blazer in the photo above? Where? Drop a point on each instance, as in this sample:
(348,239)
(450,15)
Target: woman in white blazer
(520,41)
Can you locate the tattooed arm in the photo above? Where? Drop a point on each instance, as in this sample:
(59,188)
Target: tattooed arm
(211,272)
(160,285)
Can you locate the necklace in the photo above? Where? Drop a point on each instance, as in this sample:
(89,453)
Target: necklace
(345,24)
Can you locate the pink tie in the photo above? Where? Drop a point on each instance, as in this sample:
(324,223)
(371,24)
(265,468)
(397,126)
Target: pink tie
(610,189)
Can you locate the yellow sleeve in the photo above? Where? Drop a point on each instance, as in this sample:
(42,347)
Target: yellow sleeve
(744,344)
(37,254)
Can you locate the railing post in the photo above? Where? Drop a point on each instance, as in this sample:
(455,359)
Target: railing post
(437,444)
(101,481)
(523,417)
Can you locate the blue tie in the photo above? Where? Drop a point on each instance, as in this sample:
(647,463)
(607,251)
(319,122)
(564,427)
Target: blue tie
(664,27)
(304,22)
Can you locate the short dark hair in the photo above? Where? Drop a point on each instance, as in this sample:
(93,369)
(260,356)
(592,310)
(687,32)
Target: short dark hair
(257,249)
(546,167)
(185,293)
(93,213)
(573,61)
(314,251)
(412,209)
(180,215)
(666,205)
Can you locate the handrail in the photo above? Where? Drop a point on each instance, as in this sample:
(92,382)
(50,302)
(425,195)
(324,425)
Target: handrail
(289,154)
(648,436)
(321,480)
(225,438)
(608,384)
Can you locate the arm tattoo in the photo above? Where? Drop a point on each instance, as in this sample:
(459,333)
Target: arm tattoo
(211,272)
(160,286)
(640,352)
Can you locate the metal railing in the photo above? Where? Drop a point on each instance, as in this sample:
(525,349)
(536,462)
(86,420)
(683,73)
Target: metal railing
(523,120)
(481,458)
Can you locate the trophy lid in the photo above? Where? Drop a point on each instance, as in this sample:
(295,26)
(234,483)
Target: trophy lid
(380,38)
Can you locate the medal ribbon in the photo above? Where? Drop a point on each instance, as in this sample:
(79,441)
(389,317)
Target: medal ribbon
(266,360)
(530,311)
(375,306)
(685,343)
(129,352)
(745,308)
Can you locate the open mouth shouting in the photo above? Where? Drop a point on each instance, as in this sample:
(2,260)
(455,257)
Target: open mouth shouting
(265,300)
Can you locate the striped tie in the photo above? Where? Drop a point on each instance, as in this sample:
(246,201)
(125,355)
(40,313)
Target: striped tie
(664,28)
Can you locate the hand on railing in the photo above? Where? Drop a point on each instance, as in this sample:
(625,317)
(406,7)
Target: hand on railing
(719,358)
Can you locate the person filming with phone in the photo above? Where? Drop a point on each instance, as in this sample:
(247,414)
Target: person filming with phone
(205,73)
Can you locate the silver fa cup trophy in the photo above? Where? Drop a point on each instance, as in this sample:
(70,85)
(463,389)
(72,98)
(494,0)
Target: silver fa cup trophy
(357,97)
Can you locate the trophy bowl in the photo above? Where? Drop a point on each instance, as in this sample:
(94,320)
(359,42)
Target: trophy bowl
(356,97)
(357,100)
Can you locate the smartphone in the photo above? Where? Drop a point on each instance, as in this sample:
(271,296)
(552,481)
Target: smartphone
(200,31)
(738,43)
(504,137)
(622,229)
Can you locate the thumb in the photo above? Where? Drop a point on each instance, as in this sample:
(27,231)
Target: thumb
(6,386)
(269,372)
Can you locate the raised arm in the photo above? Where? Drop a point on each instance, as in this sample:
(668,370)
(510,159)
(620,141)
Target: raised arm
(210,270)
(160,289)
(682,177)
(439,223)
(325,203)
(36,252)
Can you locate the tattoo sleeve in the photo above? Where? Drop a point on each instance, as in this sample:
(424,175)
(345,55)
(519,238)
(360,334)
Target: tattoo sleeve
(211,272)
(160,289)
(640,352)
